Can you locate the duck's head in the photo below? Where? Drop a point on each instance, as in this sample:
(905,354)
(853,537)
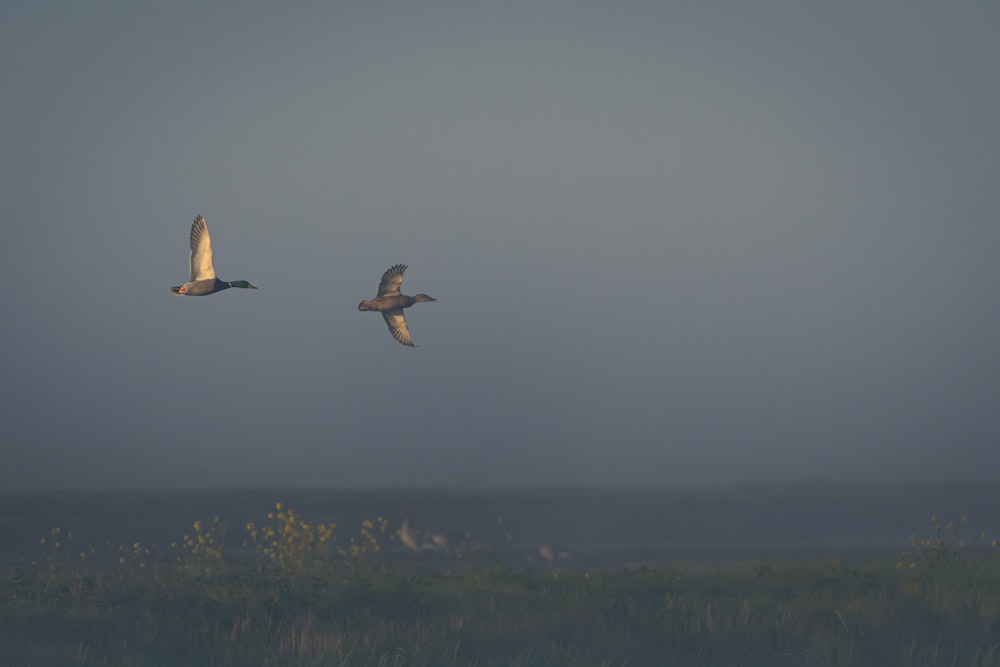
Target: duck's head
(242,283)
(423,297)
(364,305)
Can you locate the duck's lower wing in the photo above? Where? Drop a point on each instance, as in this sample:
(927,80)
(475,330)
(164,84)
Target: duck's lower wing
(397,326)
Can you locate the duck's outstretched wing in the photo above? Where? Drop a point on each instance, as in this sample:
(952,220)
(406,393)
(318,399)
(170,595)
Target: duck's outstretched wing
(397,326)
(201,251)
(391,281)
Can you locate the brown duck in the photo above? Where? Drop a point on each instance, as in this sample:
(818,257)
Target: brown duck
(391,303)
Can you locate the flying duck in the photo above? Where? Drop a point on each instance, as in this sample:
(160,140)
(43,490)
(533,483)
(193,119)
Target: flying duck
(391,303)
(203,281)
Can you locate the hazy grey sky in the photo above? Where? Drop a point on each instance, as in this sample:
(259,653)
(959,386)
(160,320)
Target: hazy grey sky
(672,243)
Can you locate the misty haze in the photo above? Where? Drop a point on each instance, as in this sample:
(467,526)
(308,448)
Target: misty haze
(671,247)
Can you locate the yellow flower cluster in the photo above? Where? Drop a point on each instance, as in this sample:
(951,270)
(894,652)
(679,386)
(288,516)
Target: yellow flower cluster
(945,547)
(61,563)
(59,548)
(365,546)
(289,542)
(131,557)
(284,542)
(201,552)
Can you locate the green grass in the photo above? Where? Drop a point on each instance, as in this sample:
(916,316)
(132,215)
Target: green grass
(297,594)
(737,614)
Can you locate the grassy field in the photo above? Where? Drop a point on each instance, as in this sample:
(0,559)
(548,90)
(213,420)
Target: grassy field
(289,591)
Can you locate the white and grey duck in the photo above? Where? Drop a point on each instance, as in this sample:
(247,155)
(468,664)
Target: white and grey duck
(203,279)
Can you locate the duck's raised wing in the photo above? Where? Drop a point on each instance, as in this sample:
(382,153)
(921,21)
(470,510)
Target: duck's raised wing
(201,251)
(397,326)
(391,280)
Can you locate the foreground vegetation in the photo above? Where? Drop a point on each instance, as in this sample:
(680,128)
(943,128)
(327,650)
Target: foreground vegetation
(294,595)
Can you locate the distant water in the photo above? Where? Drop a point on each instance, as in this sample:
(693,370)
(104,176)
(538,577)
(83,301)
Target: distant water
(600,526)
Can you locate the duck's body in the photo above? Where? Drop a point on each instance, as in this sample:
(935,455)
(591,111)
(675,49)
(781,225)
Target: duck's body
(203,280)
(418,541)
(206,287)
(451,544)
(390,302)
(549,553)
